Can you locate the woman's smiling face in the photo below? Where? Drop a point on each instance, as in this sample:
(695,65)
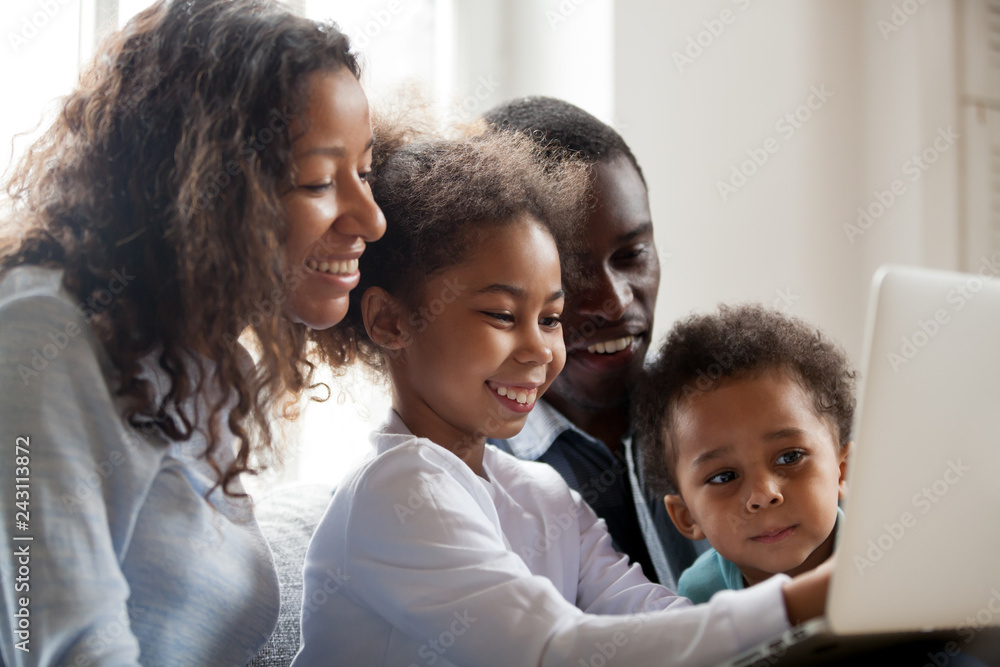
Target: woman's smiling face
(329,207)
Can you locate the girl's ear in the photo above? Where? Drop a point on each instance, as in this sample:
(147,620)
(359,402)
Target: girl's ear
(845,453)
(384,318)
(681,516)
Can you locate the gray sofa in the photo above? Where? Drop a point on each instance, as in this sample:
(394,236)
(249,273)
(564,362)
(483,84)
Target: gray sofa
(288,516)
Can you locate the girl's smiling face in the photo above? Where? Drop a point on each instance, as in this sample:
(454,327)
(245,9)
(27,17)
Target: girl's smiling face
(329,207)
(759,474)
(484,342)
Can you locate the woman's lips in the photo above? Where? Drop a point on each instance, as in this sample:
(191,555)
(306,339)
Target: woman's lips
(772,536)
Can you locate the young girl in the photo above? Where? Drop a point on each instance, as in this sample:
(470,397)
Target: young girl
(439,549)
(207,176)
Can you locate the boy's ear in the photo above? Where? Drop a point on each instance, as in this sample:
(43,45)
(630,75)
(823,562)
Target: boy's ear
(384,319)
(845,453)
(681,516)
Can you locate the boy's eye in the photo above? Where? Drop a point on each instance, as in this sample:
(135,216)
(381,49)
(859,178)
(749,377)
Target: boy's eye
(789,458)
(721,478)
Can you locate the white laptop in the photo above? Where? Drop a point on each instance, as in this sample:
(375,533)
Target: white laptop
(918,554)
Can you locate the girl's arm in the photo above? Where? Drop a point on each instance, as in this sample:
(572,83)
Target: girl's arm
(608,584)
(416,549)
(68,484)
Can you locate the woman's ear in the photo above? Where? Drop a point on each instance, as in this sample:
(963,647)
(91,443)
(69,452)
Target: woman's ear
(384,318)
(845,453)
(681,516)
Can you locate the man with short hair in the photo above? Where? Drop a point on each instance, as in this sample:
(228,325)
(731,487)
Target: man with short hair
(582,426)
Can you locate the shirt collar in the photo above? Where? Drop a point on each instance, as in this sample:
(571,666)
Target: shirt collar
(543,426)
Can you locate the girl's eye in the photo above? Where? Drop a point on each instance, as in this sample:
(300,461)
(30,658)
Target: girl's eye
(319,187)
(550,322)
(364,175)
(789,458)
(506,318)
(721,478)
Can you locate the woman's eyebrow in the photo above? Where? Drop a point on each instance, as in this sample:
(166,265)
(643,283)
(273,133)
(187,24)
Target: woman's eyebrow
(335,151)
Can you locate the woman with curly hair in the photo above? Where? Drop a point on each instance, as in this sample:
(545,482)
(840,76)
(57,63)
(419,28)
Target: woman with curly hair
(206,180)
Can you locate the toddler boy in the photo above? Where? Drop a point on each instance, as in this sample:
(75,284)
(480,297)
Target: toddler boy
(744,421)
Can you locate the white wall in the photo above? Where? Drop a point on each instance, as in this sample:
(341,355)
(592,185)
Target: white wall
(780,238)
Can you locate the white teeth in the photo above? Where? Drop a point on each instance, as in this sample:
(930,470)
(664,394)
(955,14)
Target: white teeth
(611,346)
(521,395)
(335,268)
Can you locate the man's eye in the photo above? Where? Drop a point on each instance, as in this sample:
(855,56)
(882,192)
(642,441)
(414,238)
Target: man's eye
(630,254)
(789,458)
(721,478)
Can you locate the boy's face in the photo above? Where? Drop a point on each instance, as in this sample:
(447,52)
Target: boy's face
(759,475)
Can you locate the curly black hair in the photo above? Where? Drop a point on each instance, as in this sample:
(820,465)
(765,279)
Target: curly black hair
(168,160)
(558,125)
(704,351)
(439,197)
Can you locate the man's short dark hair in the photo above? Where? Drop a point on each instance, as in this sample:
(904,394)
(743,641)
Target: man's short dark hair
(558,124)
(704,351)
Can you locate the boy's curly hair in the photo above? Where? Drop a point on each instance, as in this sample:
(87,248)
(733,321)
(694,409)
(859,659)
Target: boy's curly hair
(440,197)
(704,351)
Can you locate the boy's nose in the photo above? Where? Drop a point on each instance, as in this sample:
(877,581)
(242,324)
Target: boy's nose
(765,493)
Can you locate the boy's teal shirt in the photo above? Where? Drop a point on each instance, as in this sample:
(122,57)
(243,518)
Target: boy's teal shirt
(712,573)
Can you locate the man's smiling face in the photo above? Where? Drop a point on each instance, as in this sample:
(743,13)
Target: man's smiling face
(608,317)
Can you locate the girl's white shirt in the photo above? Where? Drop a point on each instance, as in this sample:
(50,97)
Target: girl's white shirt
(419,561)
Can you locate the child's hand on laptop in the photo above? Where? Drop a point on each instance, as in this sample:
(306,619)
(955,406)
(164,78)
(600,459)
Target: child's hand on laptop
(805,595)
